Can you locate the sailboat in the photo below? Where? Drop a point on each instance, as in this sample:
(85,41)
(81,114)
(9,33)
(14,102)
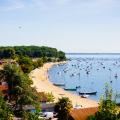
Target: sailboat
(59,84)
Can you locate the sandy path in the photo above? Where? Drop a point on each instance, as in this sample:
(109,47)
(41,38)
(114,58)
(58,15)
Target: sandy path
(42,83)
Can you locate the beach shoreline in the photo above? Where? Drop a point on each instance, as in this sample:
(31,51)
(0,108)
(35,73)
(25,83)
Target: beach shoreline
(42,83)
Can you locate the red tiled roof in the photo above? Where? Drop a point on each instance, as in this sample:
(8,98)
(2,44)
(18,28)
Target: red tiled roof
(3,90)
(82,113)
(43,96)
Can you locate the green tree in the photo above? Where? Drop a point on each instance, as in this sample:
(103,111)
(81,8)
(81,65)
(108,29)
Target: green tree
(40,62)
(19,86)
(25,68)
(49,59)
(4,109)
(63,107)
(62,58)
(50,97)
(35,64)
(108,108)
(45,59)
(8,53)
(26,64)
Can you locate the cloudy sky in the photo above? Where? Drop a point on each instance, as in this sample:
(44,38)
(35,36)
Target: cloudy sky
(77,26)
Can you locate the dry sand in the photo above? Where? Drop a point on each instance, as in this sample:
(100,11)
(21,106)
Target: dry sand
(42,83)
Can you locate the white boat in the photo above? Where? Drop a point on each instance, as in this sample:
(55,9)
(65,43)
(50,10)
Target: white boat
(59,72)
(88,72)
(73,74)
(84,96)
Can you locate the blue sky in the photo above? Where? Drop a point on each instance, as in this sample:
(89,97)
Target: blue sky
(80,26)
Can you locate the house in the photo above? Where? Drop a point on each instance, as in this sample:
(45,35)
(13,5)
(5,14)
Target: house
(82,113)
(49,107)
(2,62)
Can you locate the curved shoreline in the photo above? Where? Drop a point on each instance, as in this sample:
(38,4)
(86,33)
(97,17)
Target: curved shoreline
(42,83)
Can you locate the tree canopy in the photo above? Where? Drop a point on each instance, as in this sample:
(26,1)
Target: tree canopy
(63,107)
(31,51)
(4,109)
(19,89)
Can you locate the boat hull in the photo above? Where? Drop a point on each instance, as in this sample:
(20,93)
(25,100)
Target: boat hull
(87,93)
(59,84)
(71,89)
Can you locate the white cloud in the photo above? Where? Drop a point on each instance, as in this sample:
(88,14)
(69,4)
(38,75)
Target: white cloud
(16,5)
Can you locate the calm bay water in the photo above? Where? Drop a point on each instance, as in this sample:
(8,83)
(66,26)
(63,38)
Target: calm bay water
(89,82)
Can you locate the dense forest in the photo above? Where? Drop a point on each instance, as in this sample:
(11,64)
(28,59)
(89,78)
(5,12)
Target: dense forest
(31,51)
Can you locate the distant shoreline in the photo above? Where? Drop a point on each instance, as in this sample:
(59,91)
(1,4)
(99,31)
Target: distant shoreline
(92,53)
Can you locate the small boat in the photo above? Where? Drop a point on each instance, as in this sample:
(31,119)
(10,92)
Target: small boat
(88,72)
(84,96)
(72,89)
(78,86)
(116,75)
(102,63)
(59,72)
(59,84)
(73,74)
(66,71)
(77,106)
(87,92)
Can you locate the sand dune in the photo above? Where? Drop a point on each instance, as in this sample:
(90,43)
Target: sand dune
(42,83)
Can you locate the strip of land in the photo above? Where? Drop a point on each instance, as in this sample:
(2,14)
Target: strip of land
(42,83)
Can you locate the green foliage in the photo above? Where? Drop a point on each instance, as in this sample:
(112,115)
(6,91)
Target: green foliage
(8,52)
(49,59)
(19,86)
(55,60)
(91,117)
(45,59)
(50,97)
(62,58)
(4,109)
(63,107)
(40,62)
(25,68)
(31,51)
(26,64)
(108,108)
(35,64)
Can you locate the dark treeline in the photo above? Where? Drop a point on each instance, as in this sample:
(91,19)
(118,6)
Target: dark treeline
(31,51)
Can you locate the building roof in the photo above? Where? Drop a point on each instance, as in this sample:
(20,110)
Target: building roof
(3,90)
(43,97)
(82,113)
(42,106)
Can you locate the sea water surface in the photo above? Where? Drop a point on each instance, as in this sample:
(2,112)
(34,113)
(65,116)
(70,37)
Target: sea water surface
(95,81)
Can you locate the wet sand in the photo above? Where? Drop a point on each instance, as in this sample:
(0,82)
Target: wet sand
(42,83)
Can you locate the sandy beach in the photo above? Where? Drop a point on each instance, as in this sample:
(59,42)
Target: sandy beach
(42,83)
